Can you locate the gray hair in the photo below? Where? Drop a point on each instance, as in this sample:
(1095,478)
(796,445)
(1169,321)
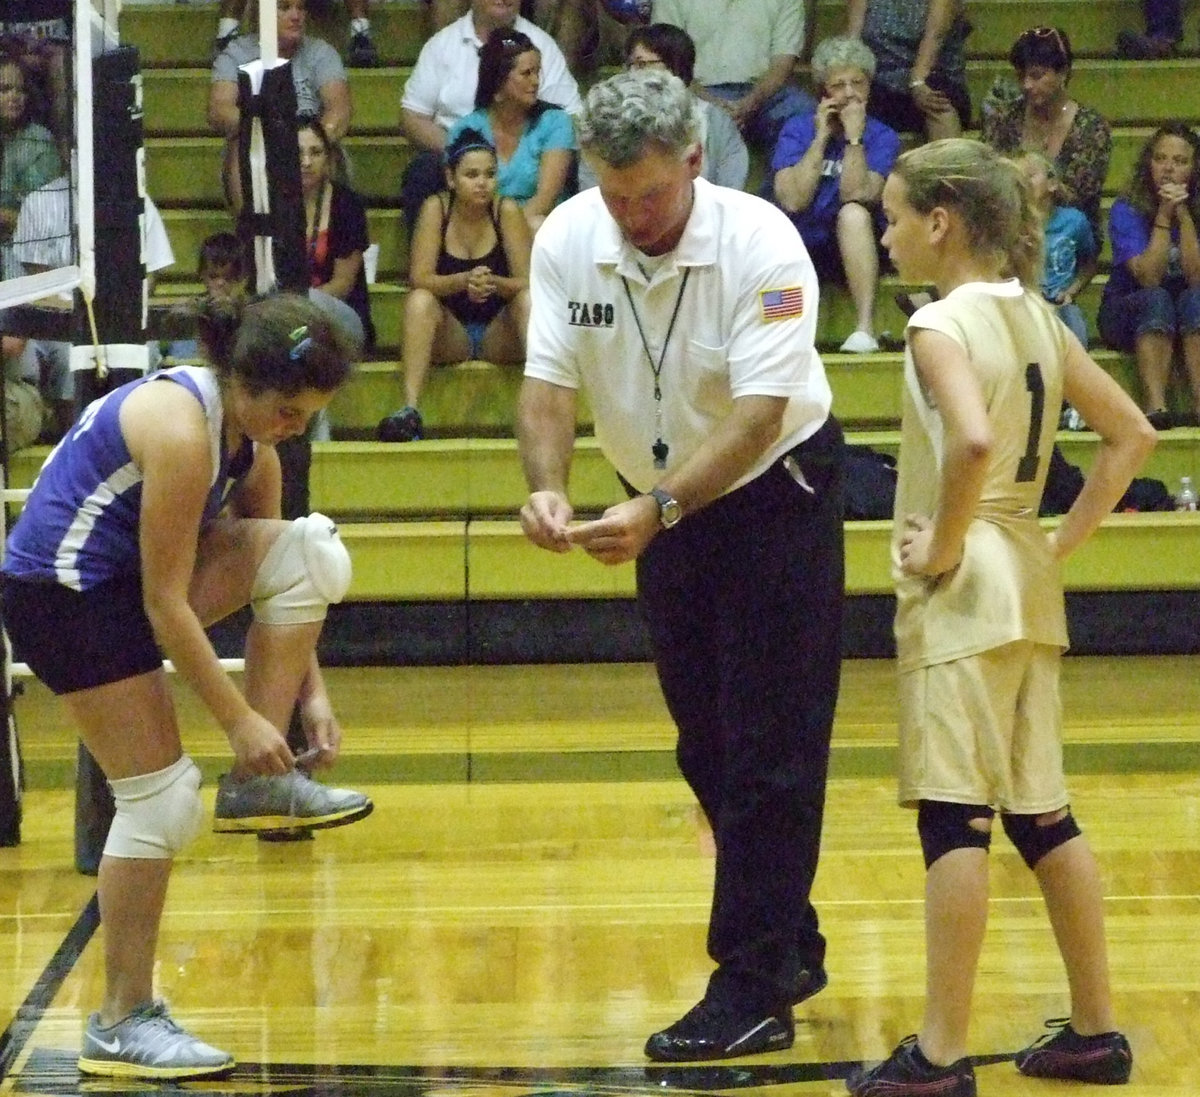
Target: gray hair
(841,52)
(632,110)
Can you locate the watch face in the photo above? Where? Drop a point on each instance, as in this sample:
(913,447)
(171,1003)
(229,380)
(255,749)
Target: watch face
(669,510)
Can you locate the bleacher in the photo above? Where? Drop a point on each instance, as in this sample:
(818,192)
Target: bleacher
(431,525)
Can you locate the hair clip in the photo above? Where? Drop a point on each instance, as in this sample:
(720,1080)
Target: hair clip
(301,341)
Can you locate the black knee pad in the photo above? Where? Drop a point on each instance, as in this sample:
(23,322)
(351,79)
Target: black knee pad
(1033,842)
(945,827)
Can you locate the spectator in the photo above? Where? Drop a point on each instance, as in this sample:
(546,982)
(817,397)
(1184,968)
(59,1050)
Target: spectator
(317,71)
(1164,27)
(29,157)
(441,89)
(534,141)
(1153,291)
(224,272)
(920,83)
(361,53)
(747,72)
(335,224)
(25,411)
(469,272)
(1070,253)
(1047,120)
(726,159)
(829,168)
(43,241)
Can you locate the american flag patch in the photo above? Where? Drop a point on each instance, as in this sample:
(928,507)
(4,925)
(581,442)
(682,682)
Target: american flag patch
(781,304)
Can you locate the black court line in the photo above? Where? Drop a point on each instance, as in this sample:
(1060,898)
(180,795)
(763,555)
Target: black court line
(53,1073)
(37,1001)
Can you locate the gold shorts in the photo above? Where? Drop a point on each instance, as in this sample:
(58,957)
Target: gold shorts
(986,729)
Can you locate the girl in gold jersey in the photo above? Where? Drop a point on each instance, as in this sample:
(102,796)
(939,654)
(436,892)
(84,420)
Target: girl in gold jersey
(980,624)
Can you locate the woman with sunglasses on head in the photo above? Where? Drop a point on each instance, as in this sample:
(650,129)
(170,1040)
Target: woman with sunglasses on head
(534,140)
(469,273)
(1045,119)
(157,515)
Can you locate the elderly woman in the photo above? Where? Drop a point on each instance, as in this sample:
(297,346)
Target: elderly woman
(534,140)
(1045,119)
(829,168)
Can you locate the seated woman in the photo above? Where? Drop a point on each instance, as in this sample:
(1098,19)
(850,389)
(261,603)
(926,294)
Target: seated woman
(335,224)
(317,72)
(663,45)
(920,83)
(534,141)
(829,168)
(1153,291)
(1045,119)
(469,270)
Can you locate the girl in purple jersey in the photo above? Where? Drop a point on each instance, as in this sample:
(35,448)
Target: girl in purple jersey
(158,514)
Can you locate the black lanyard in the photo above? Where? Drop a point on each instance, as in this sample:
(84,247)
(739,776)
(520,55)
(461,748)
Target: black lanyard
(660,449)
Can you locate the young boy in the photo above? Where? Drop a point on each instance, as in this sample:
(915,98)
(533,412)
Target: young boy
(980,621)
(224,270)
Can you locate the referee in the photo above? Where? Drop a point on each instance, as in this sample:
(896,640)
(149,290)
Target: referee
(688,314)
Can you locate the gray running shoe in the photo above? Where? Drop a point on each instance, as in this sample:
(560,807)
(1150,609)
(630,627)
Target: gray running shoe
(148,1044)
(293,801)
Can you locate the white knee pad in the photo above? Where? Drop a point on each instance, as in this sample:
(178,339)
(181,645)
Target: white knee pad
(157,813)
(306,569)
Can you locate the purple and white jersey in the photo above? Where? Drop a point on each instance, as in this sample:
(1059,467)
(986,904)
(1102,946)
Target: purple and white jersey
(80,522)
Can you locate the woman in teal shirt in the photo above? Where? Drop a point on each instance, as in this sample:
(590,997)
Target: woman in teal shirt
(30,157)
(534,140)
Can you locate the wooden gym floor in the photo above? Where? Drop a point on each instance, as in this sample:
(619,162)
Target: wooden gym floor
(484,937)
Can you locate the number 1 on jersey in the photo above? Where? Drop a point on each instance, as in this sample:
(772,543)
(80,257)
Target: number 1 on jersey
(1028,465)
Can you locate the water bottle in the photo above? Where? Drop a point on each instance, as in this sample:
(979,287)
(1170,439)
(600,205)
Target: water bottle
(1186,499)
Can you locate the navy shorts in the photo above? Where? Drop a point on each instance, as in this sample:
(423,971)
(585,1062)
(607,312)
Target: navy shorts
(75,640)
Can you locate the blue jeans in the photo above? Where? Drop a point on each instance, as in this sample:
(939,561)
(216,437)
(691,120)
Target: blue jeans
(764,126)
(1072,316)
(1164,18)
(1171,309)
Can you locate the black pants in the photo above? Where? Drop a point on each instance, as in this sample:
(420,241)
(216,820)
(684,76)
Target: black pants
(743,601)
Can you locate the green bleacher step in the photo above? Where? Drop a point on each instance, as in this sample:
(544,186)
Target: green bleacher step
(494,560)
(179,34)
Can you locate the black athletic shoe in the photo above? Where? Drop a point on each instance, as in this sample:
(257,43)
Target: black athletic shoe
(1062,1053)
(362,53)
(401,426)
(809,981)
(1143,47)
(710,1030)
(907,1073)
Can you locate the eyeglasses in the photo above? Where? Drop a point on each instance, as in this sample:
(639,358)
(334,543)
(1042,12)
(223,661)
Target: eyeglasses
(636,63)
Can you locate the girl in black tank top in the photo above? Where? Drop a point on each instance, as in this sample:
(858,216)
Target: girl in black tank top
(469,278)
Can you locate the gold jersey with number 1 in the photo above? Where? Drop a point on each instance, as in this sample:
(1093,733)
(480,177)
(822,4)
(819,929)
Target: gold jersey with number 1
(1008,585)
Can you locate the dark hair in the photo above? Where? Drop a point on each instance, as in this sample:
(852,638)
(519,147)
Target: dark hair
(1140,192)
(333,151)
(223,249)
(671,43)
(277,343)
(1046,46)
(497,59)
(467,140)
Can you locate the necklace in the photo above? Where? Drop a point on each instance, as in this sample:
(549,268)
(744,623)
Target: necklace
(660,449)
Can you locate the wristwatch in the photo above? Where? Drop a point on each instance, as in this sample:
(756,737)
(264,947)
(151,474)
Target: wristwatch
(669,510)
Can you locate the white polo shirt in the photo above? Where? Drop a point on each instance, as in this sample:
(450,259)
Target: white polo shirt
(443,81)
(746,327)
